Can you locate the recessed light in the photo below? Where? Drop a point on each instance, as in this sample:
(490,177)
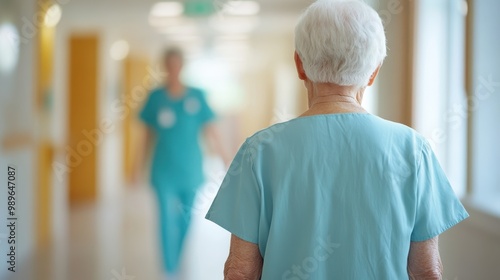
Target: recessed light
(167,9)
(119,50)
(53,15)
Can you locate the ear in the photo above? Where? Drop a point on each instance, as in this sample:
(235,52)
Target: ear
(374,75)
(300,67)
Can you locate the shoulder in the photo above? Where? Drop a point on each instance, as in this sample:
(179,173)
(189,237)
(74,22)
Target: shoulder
(408,141)
(268,133)
(393,126)
(375,131)
(402,131)
(156,92)
(198,92)
(273,135)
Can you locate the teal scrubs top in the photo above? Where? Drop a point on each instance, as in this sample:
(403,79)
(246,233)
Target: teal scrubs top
(177,157)
(336,197)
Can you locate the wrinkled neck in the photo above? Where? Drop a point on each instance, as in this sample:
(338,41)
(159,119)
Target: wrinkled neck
(325,98)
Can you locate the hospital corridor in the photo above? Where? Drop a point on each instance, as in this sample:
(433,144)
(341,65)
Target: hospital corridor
(117,240)
(142,139)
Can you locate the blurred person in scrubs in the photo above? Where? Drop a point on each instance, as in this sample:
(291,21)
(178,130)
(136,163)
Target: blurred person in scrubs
(336,193)
(176,116)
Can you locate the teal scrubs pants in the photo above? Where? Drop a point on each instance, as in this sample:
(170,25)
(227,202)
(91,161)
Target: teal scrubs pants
(174,208)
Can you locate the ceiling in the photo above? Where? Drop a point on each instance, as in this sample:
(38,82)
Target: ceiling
(273,7)
(129,20)
(130,13)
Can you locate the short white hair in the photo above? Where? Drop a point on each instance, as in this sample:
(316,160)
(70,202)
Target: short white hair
(340,42)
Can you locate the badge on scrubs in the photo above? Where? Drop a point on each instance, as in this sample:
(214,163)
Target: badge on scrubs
(166,118)
(192,106)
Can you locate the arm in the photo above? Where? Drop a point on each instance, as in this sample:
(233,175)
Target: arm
(214,140)
(424,261)
(145,146)
(244,261)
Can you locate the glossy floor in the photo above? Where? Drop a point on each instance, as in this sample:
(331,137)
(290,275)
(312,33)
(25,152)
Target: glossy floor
(117,240)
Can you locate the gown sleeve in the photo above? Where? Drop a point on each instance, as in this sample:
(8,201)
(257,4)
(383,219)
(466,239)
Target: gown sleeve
(237,205)
(438,208)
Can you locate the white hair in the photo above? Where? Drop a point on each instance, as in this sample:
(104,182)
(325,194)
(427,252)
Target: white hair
(340,42)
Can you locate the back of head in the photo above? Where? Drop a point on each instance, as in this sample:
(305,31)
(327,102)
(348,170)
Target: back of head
(340,42)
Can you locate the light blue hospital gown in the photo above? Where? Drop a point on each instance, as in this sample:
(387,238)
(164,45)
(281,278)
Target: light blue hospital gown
(336,197)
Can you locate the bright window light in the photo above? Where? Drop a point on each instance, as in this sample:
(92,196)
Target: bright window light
(119,50)
(217,78)
(242,8)
(9,47)
(53,16)
(167,9)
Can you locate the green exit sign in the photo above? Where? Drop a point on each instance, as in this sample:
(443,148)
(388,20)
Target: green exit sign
(200,7)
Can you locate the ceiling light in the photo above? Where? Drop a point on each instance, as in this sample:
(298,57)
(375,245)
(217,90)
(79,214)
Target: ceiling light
(167,9)
(53,16)
(119,50)
(242,8)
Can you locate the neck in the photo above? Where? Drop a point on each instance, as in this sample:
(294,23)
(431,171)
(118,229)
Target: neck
(175,87)
(331,98)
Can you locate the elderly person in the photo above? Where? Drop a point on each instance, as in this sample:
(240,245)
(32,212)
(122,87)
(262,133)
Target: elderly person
(336,193)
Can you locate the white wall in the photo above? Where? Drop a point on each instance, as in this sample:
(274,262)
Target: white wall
(17,107)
